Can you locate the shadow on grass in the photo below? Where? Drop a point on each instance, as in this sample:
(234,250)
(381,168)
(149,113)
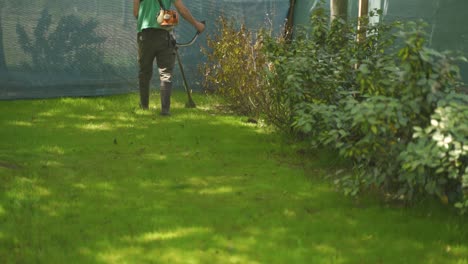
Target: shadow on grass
(99,181)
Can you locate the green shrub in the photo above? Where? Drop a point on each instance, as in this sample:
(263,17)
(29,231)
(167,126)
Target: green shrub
(235,67)
(386,102)
(436,161)
(373,114)
(318,67)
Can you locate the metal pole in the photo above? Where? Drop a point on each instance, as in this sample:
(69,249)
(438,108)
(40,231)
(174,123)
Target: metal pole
(363,8)
(339,9)
(190,103)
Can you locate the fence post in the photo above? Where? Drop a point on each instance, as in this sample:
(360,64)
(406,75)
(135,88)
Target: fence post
(339,9)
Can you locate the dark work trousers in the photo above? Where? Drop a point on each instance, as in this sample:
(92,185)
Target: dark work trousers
(155,44)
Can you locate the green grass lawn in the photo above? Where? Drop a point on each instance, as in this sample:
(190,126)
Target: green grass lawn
(96,180)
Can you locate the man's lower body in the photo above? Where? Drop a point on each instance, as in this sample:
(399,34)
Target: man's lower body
(156,44)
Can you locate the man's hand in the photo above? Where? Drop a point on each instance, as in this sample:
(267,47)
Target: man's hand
(200,27)
(185,13)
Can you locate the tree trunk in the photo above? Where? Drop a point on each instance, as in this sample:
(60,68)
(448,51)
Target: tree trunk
(363,19)
(288,30)
(339,9)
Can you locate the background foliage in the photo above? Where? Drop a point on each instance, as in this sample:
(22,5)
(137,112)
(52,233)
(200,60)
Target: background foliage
(387,102)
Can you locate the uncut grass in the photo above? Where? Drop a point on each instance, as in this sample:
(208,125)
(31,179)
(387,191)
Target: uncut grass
(95,180)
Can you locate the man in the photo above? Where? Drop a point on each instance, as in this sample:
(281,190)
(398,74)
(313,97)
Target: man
(155,41)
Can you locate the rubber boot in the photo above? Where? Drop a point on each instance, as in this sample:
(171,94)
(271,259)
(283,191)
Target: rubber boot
(166,99)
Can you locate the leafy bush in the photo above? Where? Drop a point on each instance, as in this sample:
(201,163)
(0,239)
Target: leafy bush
(369,100)
(386,102)
(436,161)
(235,67)
(318,67)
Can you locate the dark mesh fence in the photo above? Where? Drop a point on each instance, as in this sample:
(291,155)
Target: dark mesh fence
(52,48)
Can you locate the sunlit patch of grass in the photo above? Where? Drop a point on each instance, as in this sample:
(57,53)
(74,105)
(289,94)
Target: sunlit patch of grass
(21,123)
(22,189)
(456,250)
(54,149)
(217,190)
(98,180)
(170,234)
(96,126)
